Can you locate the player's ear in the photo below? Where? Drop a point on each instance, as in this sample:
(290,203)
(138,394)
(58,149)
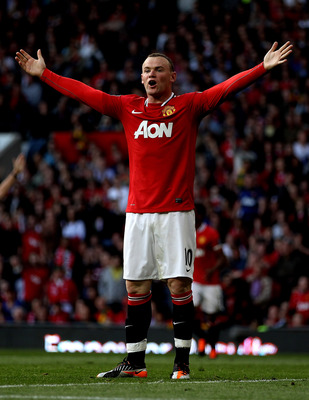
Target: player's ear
(173,76)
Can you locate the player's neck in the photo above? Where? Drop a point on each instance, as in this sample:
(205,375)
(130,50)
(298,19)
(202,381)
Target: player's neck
(153,99)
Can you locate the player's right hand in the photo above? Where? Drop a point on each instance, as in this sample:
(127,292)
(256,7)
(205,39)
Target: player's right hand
(29,64)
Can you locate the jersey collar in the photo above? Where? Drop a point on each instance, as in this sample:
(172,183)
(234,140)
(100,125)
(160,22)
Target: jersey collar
(165,102)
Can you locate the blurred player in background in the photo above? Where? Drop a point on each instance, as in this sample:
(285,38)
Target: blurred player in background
(159,239)
(18,167)
(207,291)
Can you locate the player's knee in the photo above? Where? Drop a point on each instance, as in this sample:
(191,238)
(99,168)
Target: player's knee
(138,287)
(179,285)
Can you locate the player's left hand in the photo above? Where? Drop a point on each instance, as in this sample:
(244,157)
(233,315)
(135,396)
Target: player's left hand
(275,57)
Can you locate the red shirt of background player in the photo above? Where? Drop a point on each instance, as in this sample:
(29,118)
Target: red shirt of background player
(207,238)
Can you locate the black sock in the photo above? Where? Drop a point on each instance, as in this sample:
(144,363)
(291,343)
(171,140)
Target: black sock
(137,325)
(183,315)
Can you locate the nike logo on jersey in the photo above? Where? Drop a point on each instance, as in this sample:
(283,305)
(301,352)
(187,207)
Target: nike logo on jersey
(154,130)
(137,112)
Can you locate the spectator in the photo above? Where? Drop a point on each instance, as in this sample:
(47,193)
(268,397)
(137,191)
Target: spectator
(61,292)
(299,301)
(12,308)
(31,239)
(246,207)
(260,288)
(101,311)
(57,315)
(64,257)
(296,321)
(237,300)
(82,311)
(18,166)
(73,228)
(285,271)
(111,286)
(38,312)
(277,316)
(301,149)
(34,278)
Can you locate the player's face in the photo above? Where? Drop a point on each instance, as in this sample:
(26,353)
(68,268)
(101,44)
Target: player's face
(157,79)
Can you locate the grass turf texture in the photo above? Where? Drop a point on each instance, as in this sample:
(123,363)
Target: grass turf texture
(33,374)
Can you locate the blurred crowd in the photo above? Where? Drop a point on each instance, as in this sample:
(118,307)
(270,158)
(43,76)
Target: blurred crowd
(61,226)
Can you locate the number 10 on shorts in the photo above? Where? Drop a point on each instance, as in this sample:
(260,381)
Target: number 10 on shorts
(188,258)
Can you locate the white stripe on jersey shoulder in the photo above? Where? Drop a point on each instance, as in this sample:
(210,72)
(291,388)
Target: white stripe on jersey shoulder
(202,227)
(165,102)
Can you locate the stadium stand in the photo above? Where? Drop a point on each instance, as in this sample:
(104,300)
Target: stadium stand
(65,216)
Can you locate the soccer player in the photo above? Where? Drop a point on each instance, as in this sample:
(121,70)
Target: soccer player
(18,166)
(159,241)
(206,288)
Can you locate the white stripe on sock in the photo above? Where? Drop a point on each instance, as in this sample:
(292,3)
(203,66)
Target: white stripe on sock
(182,343)
(134,347)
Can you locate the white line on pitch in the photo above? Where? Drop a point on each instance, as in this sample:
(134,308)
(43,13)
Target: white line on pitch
(154,383)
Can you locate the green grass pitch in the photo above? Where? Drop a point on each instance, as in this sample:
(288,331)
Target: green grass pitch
(34,374)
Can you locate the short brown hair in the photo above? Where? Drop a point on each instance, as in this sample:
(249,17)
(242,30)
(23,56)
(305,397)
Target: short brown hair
(164,56)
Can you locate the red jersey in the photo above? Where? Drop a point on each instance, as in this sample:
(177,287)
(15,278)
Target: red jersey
(60,291)
(31,243)
(161,137)
(34,280)
(207,238)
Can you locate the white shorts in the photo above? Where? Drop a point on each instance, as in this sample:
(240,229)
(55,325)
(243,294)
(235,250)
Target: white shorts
(159,245)
(208,297)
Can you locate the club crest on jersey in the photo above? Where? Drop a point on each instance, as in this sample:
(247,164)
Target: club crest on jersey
(202,240)
(168,110)
(153,130)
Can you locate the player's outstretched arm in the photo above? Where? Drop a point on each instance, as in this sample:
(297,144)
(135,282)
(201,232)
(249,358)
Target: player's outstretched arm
(32,66)
(276,57)
(94,98)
